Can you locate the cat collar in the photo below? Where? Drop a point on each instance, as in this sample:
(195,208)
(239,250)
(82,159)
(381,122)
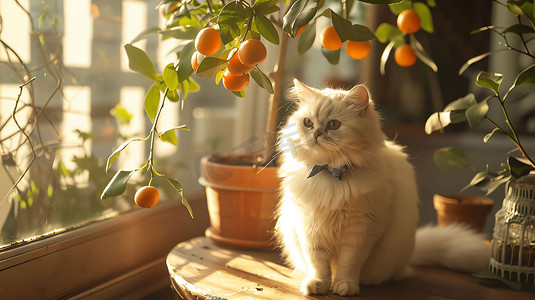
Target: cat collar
(335,172)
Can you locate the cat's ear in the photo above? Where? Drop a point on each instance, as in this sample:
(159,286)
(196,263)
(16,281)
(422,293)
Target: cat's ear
(303,92)
(359,97)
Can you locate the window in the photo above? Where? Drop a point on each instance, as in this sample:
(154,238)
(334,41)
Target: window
(68,99)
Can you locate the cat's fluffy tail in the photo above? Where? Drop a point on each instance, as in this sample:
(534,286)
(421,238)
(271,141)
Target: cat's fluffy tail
(454,246)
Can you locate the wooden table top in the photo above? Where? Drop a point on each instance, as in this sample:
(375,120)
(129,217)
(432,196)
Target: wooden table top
(199,269)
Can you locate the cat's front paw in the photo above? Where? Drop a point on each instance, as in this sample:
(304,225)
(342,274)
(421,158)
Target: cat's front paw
(346,287)
(312,286)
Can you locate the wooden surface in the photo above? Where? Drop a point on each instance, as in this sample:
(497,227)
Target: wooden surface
(200,269)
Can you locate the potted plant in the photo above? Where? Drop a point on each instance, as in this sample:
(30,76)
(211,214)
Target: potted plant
(225,40)
(513,231)
(465,209)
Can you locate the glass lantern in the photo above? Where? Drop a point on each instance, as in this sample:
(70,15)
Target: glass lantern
(513,240)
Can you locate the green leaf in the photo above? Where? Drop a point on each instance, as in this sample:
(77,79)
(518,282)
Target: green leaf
(478,178)
(522,8)
(388,32)
(385,55)
(266,29)
(398,7)
(333,57)
(145,33)
(476,113)
(193,85)
(450,159)
(527,76)
(462,103)
(261,79)
(492,184)
(152,101)
(306,40)
(170,76)
(184,64)
(299,14)
(457,116)
(173,95)
(240,94)
(62,169)
(117,184)
(266,6)
(229,32)
(519,29)
(184,86)
(169,136)
(421,54)
(437,121)
(425,16)
(50,191)
(342,26)
(360,33)
(518,168)
(472,61)
(490,134)
(431,3)
(176,185)
(481,29)
(491,81)
(139,61)
(121,114)
(114,155)
(210,66)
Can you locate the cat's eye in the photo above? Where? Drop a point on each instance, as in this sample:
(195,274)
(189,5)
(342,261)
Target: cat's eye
(308,123)
(333,124)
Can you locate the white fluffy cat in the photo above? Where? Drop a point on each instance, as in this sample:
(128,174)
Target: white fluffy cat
(349,204)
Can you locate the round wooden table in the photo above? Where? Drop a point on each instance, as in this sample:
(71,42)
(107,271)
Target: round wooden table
(199,269)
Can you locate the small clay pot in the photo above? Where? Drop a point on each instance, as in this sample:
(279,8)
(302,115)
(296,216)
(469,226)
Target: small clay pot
(469,210)
(242,201)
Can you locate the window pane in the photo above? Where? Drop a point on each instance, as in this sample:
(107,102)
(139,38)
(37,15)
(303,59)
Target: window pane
(78,103)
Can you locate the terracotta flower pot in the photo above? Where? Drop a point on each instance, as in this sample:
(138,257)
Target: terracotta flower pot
(470,210)
(242,201)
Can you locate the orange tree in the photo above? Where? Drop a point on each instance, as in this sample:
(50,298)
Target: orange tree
(225,40)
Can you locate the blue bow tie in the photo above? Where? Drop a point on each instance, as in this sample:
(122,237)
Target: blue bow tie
(335,172)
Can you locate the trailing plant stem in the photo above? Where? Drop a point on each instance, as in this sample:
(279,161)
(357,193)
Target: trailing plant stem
(513,138)
(152,137)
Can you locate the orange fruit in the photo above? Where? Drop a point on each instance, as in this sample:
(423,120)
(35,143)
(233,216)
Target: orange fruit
(409,21)
(95,11)
(358,50)
(147,196)
(330,39)
(208,41)
(194,61)
(252,52)
(235,67)
(235,83)
(405,56)
(301,30)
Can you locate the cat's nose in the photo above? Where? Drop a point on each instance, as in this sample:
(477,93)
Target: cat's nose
(317,133)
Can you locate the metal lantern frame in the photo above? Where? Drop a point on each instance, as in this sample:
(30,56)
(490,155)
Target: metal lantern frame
(513,240)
